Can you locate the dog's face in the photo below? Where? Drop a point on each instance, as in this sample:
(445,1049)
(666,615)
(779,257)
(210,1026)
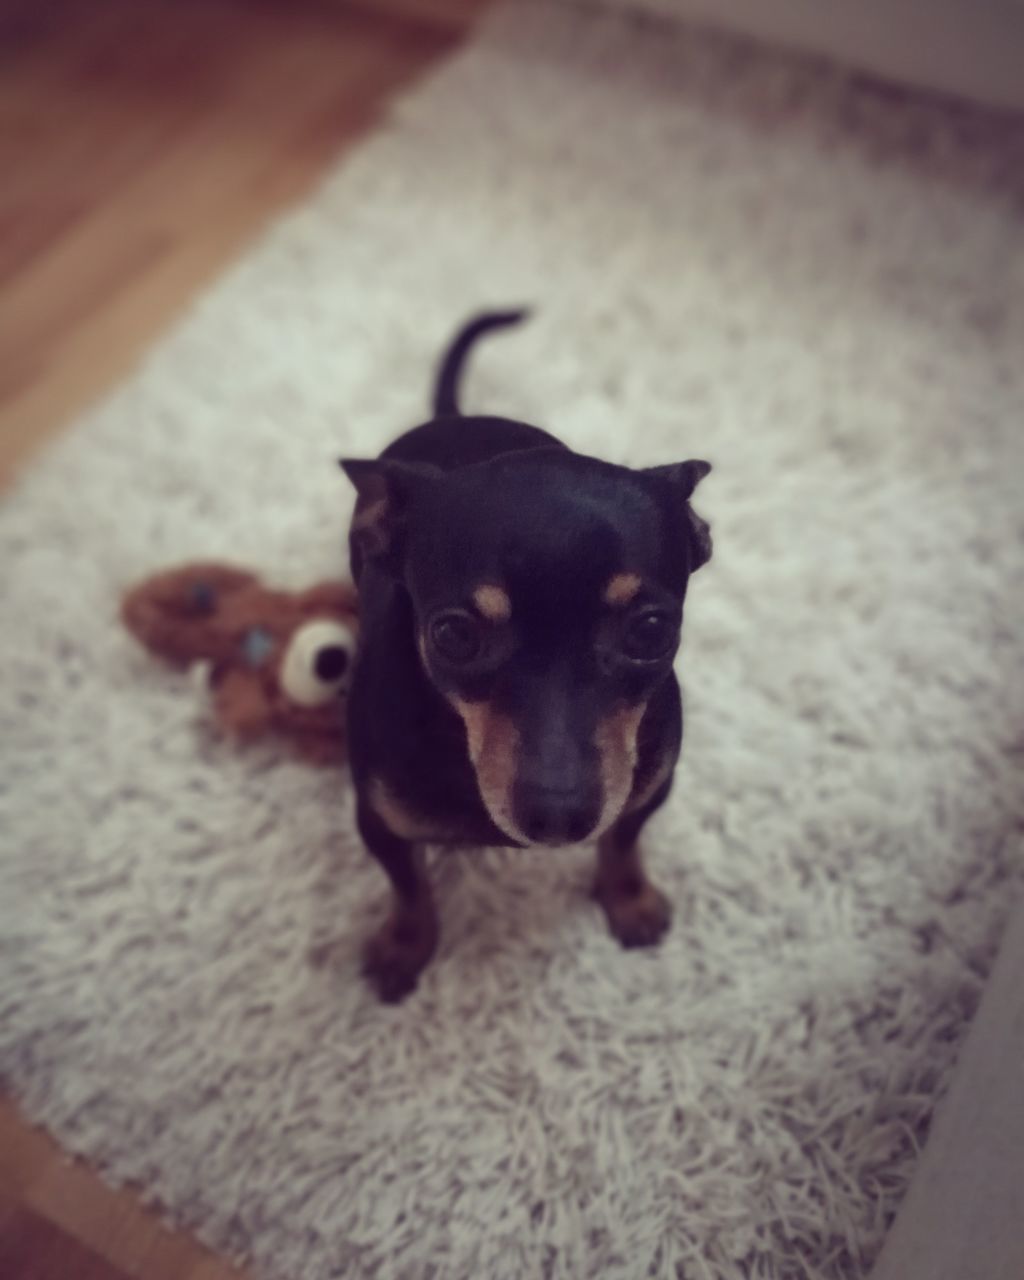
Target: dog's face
(548,595)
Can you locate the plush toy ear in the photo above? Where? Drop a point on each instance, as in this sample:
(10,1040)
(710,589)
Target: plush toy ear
(176,613)
(332,598)
(683,478)
(385,491)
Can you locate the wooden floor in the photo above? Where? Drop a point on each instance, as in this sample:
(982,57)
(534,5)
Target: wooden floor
(143,144)
(963,1217)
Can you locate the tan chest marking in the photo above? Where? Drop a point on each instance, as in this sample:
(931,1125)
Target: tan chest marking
(400,819)
(652,786)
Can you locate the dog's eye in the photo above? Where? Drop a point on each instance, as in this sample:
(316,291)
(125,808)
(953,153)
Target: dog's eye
(457,636)
(649,635)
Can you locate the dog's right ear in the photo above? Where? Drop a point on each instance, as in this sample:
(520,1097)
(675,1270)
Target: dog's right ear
(385,492)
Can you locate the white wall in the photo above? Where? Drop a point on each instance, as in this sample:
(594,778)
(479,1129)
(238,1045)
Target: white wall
(974,48)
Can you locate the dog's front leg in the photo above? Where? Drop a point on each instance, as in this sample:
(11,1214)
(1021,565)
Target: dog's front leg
(398,952)
(638,913)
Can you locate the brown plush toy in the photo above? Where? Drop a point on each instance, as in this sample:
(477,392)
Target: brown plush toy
(276,660)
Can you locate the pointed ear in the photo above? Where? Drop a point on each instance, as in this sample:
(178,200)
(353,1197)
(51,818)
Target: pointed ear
(385,490)
(682,478)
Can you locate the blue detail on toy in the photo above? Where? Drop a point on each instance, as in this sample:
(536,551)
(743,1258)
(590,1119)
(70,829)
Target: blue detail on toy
(202,598)
(257,646)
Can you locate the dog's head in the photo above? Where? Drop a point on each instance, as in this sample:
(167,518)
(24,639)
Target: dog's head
(547,591)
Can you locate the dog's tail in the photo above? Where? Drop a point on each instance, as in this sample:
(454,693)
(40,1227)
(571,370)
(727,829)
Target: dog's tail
(446,390)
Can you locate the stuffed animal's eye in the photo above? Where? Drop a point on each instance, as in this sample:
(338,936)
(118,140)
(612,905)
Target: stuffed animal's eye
(649,635)
(456,636)
(331,663)
(317,662)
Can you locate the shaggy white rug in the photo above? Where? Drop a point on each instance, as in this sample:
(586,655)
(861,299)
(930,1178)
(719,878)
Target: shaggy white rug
(818,285)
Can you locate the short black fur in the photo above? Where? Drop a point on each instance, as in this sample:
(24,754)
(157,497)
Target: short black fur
(464,503)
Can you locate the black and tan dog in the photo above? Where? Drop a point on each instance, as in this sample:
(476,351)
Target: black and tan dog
(521,607)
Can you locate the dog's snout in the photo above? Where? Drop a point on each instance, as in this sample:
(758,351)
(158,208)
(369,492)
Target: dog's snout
(550,816)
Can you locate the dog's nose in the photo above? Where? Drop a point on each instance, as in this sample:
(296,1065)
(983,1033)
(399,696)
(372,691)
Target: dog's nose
(549,816)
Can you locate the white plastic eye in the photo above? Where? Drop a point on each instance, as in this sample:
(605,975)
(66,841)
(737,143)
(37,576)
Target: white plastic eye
(318,662)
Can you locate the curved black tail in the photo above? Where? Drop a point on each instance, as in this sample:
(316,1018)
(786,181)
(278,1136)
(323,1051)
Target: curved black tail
(446,390)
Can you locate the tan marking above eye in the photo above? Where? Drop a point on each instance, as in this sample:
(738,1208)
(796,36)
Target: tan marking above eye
(493,602)
(622,588)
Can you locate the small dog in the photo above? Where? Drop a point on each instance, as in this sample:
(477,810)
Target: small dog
(521,607)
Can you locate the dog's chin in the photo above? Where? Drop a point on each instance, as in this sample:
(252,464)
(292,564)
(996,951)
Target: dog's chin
(492,741)
(559,844)
(503,821)
(496,796)
(497,802)
(509,828)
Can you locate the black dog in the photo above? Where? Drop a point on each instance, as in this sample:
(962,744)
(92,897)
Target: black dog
(520,611)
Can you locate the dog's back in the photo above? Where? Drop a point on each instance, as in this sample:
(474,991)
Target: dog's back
(453,439)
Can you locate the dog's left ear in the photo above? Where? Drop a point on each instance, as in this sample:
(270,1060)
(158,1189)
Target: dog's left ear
(683,478)
(385,490)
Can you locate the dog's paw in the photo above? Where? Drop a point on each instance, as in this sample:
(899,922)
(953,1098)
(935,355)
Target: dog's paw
(637,919)
(397,954)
